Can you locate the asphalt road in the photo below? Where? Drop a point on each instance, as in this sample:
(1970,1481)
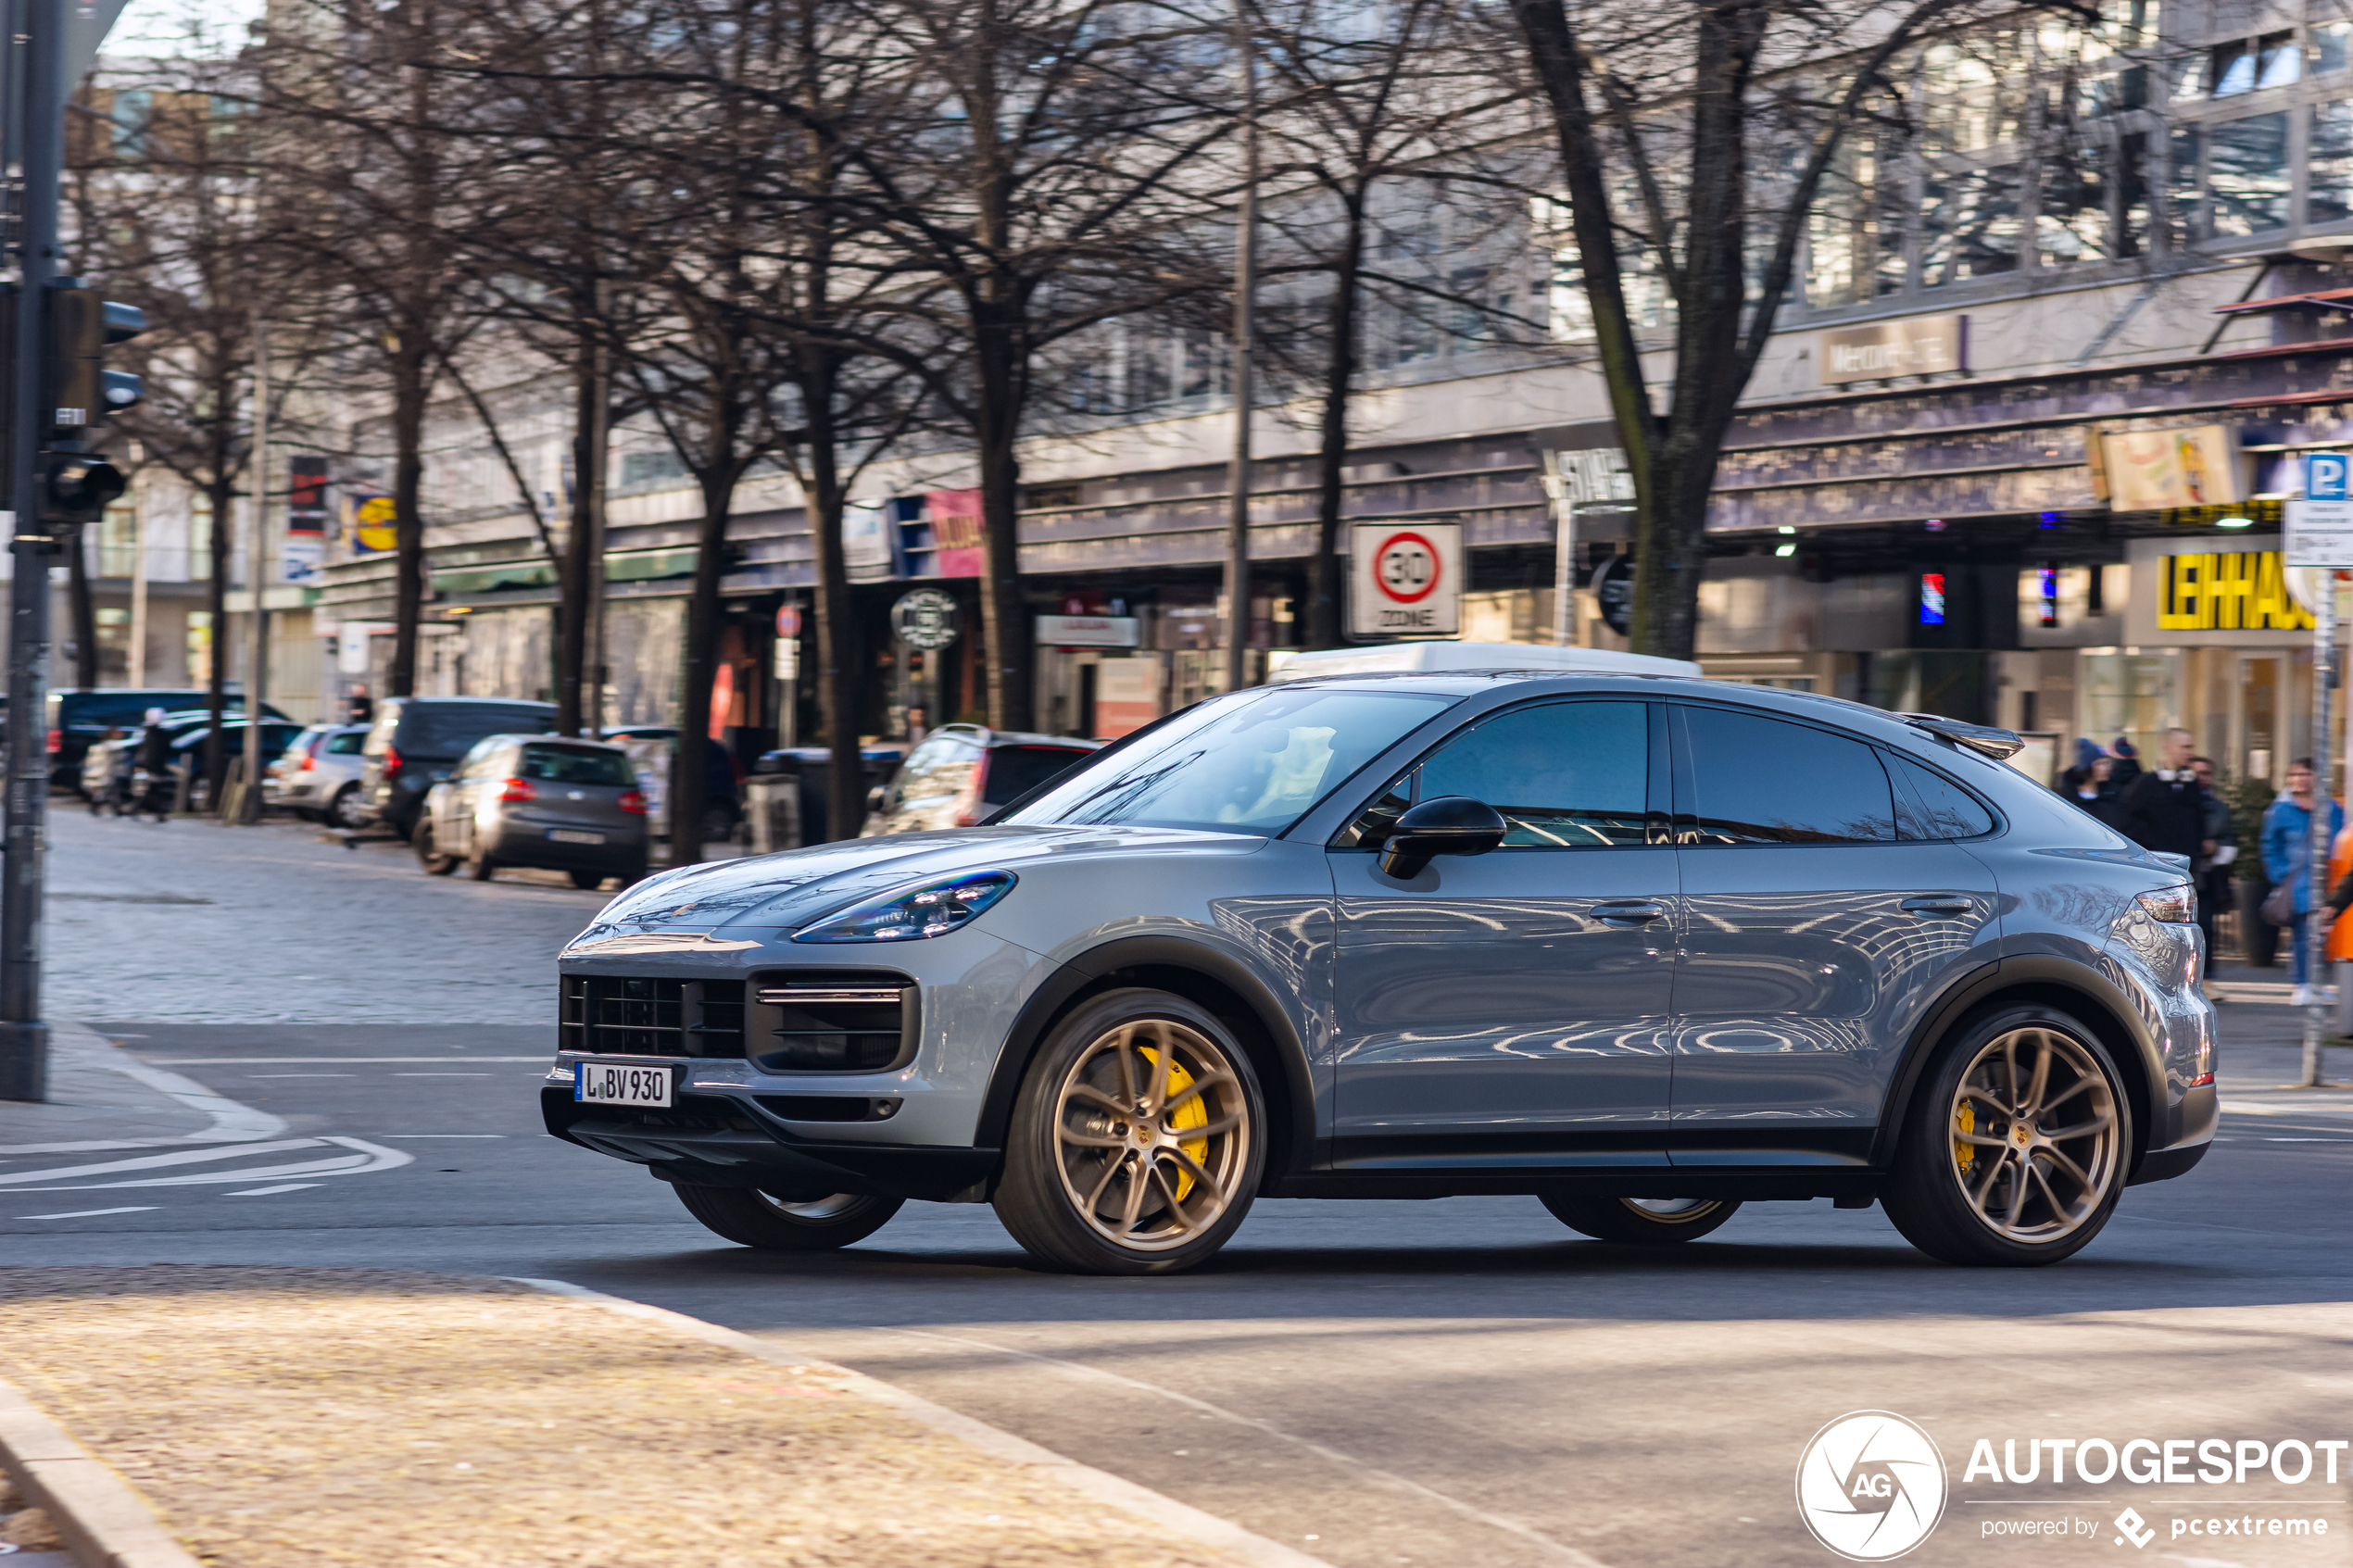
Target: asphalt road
(1460,1382)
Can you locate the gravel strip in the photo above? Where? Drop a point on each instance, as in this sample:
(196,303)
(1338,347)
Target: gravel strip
(301,1418)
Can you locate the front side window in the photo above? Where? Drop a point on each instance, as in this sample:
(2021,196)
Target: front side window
(1566,775)
(1759,779)
(1250,762)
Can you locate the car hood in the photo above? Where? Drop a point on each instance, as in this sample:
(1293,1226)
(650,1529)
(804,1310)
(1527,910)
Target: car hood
(736,904)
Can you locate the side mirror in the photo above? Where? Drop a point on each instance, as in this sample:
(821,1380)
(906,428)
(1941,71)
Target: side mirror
(1448,824)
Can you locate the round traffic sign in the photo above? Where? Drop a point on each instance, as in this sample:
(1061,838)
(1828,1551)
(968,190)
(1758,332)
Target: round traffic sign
(788,622)
(924,619)
(1405,567)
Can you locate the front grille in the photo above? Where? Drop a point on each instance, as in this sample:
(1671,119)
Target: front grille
(628,1015)
(813,1022)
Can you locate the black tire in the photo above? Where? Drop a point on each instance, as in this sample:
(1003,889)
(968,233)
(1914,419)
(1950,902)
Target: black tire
(1065,1120)
(1640,1220)
(588,881)
(428,854)
(750,1218)
(480,866)
(2022,1206)
(339,813)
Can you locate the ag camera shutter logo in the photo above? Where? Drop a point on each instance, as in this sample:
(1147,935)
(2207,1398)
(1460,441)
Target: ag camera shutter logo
(1870,1485)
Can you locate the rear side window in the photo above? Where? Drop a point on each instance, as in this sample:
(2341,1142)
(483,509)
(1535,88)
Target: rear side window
(1943,811)
(1567,775)
(577,765)
(1014,771)
(436,729)
(346,745)
(1759,780)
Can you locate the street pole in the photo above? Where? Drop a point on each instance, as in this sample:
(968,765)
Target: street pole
(590,488)
(257,564)
(36,134)
(2316,940)
(1245,353)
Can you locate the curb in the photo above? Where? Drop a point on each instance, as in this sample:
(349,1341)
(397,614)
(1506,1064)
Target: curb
(1192,1522)
(105,1524)
(232,1121)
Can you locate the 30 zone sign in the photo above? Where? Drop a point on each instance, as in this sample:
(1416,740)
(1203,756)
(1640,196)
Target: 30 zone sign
(1406,579)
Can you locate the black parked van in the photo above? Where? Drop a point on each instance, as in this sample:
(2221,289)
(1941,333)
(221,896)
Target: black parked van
(417,740)
(78,718)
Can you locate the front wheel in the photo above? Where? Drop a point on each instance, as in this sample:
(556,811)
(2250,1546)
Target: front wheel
(429,853)
(341,811)
(479,866)
(751,1218)
(588,881)
(2015,1146)
(1138,1139)
(1639,1218)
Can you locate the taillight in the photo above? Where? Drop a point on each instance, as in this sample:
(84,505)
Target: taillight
(308,763)
(632,800)
(392,761)
(56,741)
(518,789)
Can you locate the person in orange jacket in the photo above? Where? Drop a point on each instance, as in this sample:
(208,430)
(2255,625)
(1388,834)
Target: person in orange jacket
(2340,939)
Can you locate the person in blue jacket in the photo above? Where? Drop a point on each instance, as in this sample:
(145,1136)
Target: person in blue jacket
(2287,859)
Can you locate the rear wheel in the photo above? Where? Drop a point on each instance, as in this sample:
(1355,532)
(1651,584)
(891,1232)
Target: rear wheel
(751,1218)
(588,881)
(2016,1146)
(429,853)
(1639,1218)
(1138,1139)
(341,811)
(479,866)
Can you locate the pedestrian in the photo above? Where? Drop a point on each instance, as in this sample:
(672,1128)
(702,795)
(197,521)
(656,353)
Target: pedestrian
(153,766)
(2097,794)
(359,708)
(2287,856)
(2086,753)
(2212,871)
(2164,808)
(2128,762)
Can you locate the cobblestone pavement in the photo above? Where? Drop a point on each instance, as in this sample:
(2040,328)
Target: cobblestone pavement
(192,923)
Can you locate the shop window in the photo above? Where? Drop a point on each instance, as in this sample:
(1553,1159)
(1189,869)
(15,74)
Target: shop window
(2328,169)
(1969,225)
(119,541)
(2248,180)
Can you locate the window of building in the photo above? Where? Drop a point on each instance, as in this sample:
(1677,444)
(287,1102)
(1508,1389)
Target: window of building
(2328,45)
(2249,65)
(1969,225)
(199,566)
(2329,168)
(134,110)
(1762,781)
(2186,213)
(119,541)
(2247,174)
(649,467)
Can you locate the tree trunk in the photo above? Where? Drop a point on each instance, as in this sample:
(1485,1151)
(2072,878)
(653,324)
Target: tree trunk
(573,608)
(1004,617)
(411,386)
(689,772)
(222,494)
(1325,587)
(836,635)
(84,610)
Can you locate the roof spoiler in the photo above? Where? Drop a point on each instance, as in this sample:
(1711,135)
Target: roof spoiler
(1983,739)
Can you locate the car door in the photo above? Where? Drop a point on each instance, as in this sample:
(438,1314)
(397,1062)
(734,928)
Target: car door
(1818,923)
(1514,1008)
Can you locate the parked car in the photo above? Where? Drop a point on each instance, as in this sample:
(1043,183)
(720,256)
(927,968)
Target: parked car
(963,773)
(414,741)
(187,745)
(536,800)
(78,718)
(318,776)
(807,765)
(1646,948)
(721,779)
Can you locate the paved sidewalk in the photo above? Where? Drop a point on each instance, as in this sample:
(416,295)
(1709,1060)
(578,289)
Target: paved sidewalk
(297,1418)
(100,1097)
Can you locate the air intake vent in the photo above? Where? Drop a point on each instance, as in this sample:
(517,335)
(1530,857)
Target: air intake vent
(618,1015)
(824,1023)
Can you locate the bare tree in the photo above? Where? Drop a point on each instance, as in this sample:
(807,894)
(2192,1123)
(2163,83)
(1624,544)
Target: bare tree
(1671,123)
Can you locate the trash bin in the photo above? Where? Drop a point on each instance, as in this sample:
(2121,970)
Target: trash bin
(772,801)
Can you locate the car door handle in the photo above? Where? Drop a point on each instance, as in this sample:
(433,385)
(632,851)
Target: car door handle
(1938,904)
(1636,911)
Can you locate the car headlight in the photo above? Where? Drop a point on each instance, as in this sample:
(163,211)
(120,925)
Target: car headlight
(2176,905)
(931,909)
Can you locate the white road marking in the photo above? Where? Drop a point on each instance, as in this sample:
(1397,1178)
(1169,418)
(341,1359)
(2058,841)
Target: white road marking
(88,1213)
(442,1075)
(369,1158)
(152,1161)
(302,1075)
(265,1192)
(315,1060)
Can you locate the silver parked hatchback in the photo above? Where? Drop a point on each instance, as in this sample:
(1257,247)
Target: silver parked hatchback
(536,800)
(1643,948)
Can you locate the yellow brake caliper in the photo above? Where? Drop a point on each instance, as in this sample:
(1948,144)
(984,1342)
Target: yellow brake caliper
(1964,1120)
(1193,1114)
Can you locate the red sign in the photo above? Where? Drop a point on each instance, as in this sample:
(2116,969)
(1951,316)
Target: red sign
(788,622)
(1405,568)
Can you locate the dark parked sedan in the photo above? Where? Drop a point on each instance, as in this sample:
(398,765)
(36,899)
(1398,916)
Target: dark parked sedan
(536,800)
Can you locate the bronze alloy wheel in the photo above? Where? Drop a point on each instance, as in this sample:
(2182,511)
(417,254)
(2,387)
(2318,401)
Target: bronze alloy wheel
(2035,1149)
(1137,1142)
(2016,1144)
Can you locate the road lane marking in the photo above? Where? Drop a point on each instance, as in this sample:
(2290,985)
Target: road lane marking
(152,1161)
(302,1075)
(91,1213)
(265,1192)
(441,1075)
(1566,1556)
(412,1137)
(366,1159)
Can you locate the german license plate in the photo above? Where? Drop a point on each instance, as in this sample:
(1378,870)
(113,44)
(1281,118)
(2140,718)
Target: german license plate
(571,836)
(600,1083)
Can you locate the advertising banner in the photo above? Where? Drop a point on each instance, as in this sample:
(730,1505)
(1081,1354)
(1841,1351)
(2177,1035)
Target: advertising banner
(2154,470)
(954,515)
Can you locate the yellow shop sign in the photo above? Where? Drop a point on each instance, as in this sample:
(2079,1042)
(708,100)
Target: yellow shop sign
(2227,591)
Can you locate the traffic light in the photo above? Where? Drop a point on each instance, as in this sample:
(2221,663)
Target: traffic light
(80,391)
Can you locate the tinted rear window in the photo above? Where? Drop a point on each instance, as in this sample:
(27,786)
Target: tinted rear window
(577,765)
(122,708)
(1014,771)
(1950,811)
(1762,781)
(447,731)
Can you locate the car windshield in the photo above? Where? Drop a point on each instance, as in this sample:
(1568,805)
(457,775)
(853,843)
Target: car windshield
(579,765)
(1253,762)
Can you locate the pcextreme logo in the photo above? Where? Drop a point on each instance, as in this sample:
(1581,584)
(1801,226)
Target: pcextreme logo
(1870,1485)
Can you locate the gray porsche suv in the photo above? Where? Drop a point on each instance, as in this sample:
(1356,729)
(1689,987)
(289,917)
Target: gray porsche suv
(1645,948)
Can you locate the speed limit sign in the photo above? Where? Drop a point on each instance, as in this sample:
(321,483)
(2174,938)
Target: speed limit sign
(1406,579)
